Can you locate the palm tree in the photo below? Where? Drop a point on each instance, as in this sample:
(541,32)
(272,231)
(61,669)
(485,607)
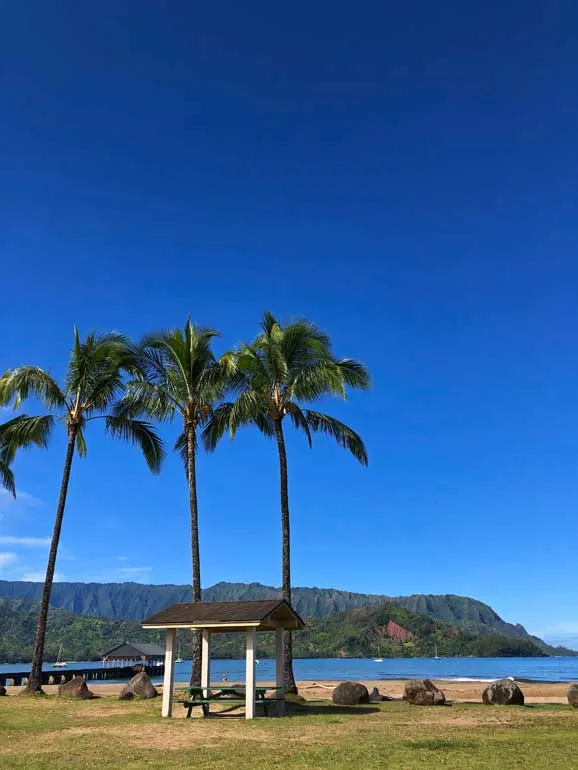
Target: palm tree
(93,383)
(283,368)
(179,376)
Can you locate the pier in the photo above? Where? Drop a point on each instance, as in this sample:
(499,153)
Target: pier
(20,678)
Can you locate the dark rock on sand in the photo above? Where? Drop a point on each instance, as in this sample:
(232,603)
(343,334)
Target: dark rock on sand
(503,693)
(573,695)
(422,692)
(140,686)
(350,694)
(2,690)
(76,688)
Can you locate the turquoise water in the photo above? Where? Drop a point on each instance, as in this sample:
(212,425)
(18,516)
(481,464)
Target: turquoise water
(338,669)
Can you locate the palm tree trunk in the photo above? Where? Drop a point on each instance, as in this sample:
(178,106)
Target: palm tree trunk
(288,677)
(34,685)
(196,559)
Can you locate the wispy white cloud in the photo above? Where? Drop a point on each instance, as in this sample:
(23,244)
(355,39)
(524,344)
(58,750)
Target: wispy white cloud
(7,558)
(26,542)
(38,577)
(135,570)
(123,558)
(122,574)
(23,499)
(21,496)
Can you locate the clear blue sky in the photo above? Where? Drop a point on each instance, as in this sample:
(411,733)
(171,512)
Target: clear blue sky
(406,175)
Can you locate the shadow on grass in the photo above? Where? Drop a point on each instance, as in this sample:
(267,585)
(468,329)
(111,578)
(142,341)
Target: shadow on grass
(322,708)
(441,745)
(312,708)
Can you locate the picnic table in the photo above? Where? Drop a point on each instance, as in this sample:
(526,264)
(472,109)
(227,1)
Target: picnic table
(233,694)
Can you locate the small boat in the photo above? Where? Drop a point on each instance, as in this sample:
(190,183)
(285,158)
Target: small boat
(436,656)
(59,663)
(178,659)
(379,659)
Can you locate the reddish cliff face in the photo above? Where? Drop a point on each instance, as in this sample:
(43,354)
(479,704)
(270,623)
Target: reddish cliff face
(398,633)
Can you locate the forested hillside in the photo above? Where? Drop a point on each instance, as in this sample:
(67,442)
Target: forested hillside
(135,601)
(388,630)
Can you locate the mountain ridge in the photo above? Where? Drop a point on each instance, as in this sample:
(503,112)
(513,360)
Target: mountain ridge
(136,601)
(385,629)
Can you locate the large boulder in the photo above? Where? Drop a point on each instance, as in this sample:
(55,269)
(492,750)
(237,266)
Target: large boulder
(2,690)
(76,688)
(422,692)
(140,686)
(573,695)
(505,692)
(350,694)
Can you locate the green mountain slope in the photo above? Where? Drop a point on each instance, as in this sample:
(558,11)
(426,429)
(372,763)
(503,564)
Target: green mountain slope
(82,637)
(135,601)
(387,629)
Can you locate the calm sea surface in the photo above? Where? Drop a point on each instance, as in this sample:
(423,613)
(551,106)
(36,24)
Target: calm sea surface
(337,669)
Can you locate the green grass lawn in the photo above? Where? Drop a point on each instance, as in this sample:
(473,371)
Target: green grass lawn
(52,734)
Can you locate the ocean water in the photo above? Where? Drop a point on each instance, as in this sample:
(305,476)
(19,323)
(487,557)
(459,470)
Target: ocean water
(339,669)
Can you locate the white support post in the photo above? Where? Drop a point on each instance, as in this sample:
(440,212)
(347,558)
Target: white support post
(168,682)
(205,662)
(250,675)
(279,666)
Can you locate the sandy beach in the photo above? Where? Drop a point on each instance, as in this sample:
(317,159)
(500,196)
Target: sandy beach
(461,692)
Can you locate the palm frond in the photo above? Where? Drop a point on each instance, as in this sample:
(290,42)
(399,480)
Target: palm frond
(268,322)
(343,434)
(143,397)
(22,431)
(182,364)
(302,342)
(299,420)
(140,433)
(81,443)
(217,426)
(94,366)
(354,373)
(6,475)
(18,384)
(312,382)
(250,406)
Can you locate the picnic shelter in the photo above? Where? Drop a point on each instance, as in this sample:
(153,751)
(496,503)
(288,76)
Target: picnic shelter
(248,618)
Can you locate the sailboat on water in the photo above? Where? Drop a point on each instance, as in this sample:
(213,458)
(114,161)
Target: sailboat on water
(379,659)
(59,663)
(436,656)
(179,659)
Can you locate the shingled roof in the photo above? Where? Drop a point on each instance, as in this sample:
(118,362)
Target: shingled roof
(135,650)
(265,615)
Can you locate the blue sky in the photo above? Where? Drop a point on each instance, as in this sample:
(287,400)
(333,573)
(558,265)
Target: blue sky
(405,175)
